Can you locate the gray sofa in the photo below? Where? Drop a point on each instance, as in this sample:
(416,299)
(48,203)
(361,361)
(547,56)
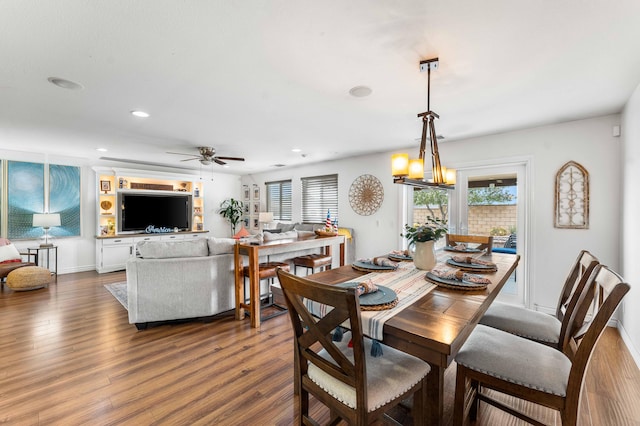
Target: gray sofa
(180,279)
(171,280)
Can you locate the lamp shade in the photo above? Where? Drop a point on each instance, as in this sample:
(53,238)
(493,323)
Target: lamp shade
(416,168)
(46,220)
(265,217)
(400,164)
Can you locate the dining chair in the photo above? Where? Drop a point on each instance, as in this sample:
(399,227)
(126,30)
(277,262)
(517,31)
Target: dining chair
(355,386)
(538,326)
(509,364)
(482,242)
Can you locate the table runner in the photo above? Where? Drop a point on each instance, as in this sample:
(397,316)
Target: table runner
(409,284)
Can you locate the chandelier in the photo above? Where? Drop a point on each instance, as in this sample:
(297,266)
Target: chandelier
(411,171)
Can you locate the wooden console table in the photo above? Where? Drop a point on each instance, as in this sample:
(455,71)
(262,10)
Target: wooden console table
(267,248)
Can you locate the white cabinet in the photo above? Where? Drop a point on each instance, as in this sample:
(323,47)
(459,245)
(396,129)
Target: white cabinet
(112,254)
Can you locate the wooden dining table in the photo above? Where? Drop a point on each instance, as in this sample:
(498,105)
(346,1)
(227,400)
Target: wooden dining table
(435,327)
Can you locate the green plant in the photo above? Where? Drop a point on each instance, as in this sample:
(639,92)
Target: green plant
(498,231)
(231,210)
(432,230)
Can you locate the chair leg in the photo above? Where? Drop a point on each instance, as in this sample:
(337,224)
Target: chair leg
(419,409)
(460,397)
(475,404)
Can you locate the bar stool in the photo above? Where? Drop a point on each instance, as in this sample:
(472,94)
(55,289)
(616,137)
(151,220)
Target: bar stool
(267,270)
(311,261)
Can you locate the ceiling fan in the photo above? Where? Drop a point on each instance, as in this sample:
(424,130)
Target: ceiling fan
(207,156)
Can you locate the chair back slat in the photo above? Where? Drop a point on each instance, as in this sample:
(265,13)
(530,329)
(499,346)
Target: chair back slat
(584,336)
(577,277)
(484,242)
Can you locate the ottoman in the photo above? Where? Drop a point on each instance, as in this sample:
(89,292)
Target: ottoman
(28,278)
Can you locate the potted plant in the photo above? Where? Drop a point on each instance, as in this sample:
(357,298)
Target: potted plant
(422,237)
(231,210)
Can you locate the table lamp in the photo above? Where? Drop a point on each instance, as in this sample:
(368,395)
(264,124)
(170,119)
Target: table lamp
(265,217)
(46,221)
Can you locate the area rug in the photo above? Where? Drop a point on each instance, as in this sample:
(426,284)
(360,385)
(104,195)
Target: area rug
(119,291)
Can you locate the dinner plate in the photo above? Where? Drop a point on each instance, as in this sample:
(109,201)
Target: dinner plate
(455,284)
(399,257)
(467,250)
(472,266)
(383,296)
(370,267)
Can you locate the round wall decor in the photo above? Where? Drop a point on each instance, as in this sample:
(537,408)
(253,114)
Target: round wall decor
(366,195)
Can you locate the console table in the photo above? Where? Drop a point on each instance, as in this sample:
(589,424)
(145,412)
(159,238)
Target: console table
(266,248)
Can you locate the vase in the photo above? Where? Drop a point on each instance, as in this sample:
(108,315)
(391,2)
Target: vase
(425,255)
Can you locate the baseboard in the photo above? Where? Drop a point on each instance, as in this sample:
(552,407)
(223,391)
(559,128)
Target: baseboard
(627,341)
(85,268)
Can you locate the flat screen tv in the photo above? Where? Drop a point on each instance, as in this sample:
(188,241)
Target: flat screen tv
(140,211)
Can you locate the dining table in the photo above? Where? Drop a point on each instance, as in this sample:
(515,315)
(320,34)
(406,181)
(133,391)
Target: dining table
(435,326)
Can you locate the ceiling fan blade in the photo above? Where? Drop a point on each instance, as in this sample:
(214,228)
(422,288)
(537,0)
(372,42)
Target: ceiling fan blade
(231,158)
(217,160)
(190,159)
(182,153)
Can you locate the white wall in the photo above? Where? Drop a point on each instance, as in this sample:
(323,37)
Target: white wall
(589,142)
(630,231)
(76,254)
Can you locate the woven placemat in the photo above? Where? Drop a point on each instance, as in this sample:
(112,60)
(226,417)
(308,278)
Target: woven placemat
(382,307)
(365,269)
(454,284)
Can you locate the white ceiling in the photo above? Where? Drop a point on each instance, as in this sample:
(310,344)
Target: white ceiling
(258,78)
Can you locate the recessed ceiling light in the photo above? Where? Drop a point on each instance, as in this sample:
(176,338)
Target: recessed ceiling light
(102,149)
(65,84)
(296,150)
(140,114)
(360,91)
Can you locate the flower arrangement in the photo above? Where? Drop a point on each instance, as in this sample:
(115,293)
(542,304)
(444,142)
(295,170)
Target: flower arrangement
(432,230)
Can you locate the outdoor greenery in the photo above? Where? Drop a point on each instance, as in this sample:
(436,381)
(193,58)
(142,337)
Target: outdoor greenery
(231,210)
(432,230)
(438,199)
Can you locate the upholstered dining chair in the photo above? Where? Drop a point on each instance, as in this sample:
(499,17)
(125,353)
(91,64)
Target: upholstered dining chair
(481,242)
(538,326)
(356,387)
(495,359)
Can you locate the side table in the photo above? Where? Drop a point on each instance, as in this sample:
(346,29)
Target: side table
(45,261)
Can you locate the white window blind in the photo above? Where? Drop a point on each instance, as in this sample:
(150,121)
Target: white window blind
(319,194)
(279,199)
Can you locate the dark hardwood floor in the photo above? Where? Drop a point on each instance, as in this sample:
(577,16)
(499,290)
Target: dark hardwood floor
(68,356)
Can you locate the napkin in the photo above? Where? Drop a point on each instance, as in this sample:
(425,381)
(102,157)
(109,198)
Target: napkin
(400,252)
(460,247)
(457,274)
(380,261)
(471,260)
(366,287)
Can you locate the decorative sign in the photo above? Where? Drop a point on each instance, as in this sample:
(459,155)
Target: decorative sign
(572,197)
(366,195)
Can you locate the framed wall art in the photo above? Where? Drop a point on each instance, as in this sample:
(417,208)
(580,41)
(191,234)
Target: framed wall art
(572,197)
(245,192)
(256,192)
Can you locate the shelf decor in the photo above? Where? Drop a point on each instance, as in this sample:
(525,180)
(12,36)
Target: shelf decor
(572,197)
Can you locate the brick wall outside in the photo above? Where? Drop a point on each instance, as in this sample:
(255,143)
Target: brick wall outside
(482,219)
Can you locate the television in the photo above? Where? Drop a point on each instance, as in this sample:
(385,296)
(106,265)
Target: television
(139,211)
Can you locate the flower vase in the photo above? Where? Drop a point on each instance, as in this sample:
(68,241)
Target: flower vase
(425,255)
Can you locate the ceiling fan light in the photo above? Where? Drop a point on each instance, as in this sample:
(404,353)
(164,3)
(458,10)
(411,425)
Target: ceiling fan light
(205,162)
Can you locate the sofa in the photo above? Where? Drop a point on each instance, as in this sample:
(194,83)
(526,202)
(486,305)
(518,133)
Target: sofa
(171,280)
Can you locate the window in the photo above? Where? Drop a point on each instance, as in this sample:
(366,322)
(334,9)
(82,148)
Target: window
(279,199)
(319,195)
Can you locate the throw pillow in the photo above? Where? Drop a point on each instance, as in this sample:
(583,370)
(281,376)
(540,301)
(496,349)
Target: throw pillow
(221,246)
(286,227)
(9,253)
(273,231)
(268,236)
(171,249)
(306,234)
(241,233)
(4,242)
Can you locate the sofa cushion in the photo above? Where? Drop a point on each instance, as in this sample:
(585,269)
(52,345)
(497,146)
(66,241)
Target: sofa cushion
(304,227)
(170,249)
(268,236)
(286,227)
(221,245)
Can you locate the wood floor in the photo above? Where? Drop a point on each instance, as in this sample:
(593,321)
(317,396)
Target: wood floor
(68,356)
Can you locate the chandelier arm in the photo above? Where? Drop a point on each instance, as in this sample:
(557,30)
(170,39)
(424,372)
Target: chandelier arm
(435,155)
(423,140)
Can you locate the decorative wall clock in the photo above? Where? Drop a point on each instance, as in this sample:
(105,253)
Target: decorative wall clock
(366,195)
(572,197)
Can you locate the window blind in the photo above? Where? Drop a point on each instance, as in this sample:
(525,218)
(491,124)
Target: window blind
(319,194)
(279,199)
